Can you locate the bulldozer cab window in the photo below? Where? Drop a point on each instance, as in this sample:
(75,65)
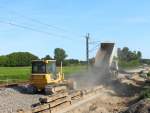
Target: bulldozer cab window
(38,67)
(51,68)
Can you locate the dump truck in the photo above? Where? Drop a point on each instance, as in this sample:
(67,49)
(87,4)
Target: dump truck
(45,78)
(106,58)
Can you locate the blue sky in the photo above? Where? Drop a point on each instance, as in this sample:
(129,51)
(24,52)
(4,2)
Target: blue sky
(126,22)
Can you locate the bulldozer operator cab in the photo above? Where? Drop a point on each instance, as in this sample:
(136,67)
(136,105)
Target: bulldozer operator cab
(44,67)
(43,73)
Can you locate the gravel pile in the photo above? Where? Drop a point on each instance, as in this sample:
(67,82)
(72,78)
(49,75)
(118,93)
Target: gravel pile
(143,106)
(12,99)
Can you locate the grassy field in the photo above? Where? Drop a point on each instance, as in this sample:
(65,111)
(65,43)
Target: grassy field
(13,74)
(72,69)
(129,65)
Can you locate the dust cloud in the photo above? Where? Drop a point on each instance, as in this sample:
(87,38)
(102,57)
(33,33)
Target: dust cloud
(91,78)
(95,75)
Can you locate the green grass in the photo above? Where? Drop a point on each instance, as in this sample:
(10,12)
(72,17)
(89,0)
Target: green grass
(15,74)
(130,64)
(72,69)
(148,74)
(145,94)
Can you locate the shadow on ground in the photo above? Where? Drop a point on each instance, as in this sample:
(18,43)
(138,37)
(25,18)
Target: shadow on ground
(24,89)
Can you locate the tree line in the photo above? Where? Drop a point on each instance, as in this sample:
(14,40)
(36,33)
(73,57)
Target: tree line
(128,58)
(17,59)
(60,56)
(25,59)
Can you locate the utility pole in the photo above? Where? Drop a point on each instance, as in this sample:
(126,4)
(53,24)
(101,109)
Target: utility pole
(87,49)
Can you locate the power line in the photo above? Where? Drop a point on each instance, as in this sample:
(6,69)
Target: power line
(94,42)
(94,48)
(32,19)
(38,21)
(34,29)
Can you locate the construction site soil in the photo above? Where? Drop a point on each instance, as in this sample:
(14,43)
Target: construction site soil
(119,97)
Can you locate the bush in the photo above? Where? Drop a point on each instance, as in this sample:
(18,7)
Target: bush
(145,94)
(129,64)
(128,58)
(17,59)
(148,74)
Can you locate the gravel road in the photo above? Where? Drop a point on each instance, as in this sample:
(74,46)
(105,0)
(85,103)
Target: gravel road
(14,98)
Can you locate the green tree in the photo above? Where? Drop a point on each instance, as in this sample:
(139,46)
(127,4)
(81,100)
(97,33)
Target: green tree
(72,62)
(128,57)
(131,56)
(47,57)
(139,55)
(20,58)
(3,60)
(59,55)
(125,52)
(17,59)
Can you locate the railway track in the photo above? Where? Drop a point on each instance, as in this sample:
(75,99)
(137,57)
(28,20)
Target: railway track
(9,85)
(57,103)
(63,102)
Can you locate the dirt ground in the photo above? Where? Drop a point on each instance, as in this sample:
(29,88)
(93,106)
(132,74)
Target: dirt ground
(114,97)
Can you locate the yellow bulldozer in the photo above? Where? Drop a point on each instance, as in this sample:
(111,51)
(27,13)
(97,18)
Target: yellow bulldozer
(45,78)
